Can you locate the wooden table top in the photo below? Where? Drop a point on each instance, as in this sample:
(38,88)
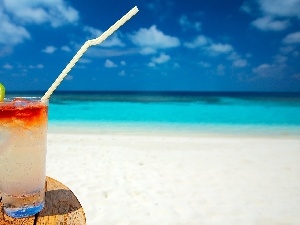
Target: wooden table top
(61,207)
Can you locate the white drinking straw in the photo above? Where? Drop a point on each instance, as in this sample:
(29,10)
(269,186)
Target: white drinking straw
(86,45)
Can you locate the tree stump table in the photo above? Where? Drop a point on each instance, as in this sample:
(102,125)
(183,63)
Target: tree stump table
(61,207)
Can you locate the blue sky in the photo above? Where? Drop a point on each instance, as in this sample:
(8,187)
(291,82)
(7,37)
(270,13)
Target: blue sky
(170,45)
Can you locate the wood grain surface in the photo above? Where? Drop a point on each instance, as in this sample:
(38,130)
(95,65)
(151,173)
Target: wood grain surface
(61,207)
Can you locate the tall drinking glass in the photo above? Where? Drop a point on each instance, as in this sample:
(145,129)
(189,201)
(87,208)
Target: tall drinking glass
(23,146)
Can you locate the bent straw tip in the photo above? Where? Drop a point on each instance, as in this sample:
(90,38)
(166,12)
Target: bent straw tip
(87,44)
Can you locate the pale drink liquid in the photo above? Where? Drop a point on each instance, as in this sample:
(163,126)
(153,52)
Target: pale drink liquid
(23,139)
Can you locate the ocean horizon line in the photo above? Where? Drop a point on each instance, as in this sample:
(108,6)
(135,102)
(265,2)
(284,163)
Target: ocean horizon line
(159,92)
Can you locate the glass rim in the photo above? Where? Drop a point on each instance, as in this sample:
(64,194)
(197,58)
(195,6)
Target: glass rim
(30,99)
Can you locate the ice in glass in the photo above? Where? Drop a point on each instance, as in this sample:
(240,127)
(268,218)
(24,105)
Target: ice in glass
(23,139)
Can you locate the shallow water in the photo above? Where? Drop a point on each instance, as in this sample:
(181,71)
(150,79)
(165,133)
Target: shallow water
(270,112)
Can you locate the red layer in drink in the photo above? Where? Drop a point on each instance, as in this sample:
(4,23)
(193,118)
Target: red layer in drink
(28,112)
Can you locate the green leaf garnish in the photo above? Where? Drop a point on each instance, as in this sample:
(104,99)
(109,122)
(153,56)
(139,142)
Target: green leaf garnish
(2,92)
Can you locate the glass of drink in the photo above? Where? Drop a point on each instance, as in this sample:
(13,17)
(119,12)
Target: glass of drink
(23,146)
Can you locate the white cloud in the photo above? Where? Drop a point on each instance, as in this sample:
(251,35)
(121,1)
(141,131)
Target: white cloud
(148,51)
(84,60)
(56,12)
(233,56)
(162,58)
(290,50)
(240,63)
(278,68)
(151,64)
(287,49)
(204,64)
(69,77)
(263,69)
(10,33)
(49,49)
(109,64)
(186,24)
(275,14)
(7,66)
(208,46)
(93,32)
(38,66)
(237,60)
(286,8)
(111,41)
(66,48)
(123,63)
(268,70)
(219,48)
(280,59)
(122,73)
(275,8)
(268,23)
(246,7)
(176,65)
(293,38)
(152,39)
(199,41)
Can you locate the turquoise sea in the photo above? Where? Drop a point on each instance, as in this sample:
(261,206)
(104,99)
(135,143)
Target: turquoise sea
(276,113)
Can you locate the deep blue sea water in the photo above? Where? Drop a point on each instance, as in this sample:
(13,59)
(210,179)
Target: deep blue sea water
(275,112)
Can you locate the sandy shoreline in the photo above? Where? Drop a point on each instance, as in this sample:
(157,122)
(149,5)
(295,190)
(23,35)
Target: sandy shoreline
(170,178)
(154,129)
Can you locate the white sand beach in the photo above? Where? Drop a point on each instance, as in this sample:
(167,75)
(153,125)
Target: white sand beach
(180,179)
